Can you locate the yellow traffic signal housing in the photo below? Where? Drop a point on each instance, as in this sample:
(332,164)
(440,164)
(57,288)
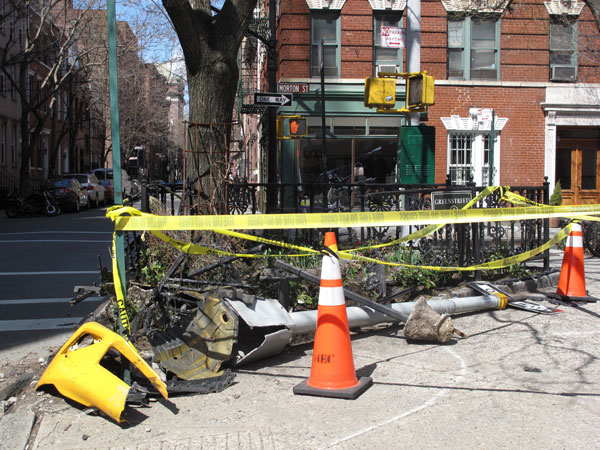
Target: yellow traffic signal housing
(290,127)
(419,90)
(380,92)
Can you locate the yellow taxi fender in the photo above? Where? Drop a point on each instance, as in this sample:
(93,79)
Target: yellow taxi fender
(76,372)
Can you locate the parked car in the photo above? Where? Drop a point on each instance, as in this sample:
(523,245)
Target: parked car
(69,193)
(95,189)
(105,176)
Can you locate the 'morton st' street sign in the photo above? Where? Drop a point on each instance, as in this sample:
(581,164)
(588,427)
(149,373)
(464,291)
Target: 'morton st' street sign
(277,100)
(293,88)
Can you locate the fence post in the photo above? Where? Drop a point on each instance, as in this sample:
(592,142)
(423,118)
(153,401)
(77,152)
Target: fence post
(477,257)
(546,190)
(144,198)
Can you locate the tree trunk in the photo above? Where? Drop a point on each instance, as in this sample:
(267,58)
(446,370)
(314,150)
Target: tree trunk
(594,6)
(210,46)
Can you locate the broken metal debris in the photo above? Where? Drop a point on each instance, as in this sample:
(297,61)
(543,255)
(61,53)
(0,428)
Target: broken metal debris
(198,332)
(78,373)
(199,343)
(349,294)
(200,328)
(202,386)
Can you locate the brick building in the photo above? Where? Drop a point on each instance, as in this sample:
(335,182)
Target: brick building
(531,69)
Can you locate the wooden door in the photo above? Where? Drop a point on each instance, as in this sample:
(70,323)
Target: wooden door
(578,170)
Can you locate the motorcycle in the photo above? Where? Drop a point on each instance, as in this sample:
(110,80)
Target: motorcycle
(41,201)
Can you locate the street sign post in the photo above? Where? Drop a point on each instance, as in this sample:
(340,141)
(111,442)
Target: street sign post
(276,99)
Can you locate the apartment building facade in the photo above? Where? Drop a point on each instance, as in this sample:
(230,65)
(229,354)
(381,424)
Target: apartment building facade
(516,86)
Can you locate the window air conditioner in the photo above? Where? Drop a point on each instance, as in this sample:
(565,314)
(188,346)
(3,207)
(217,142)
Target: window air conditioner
(563,73)
(387,69)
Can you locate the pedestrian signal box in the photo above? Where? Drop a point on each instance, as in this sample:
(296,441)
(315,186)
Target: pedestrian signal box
(290,127)
(380,92)
(419,90)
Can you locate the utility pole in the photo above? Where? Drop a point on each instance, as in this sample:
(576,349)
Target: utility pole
(116,140)
(413,44)
(272,172)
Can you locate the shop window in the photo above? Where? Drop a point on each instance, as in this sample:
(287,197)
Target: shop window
(349,126)
(388,42)
(563,48)
(325,28)
(473,48)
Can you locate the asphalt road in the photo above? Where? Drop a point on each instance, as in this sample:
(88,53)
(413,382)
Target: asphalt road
(43,259)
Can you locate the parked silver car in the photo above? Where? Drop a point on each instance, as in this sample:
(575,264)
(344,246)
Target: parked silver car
(95,189)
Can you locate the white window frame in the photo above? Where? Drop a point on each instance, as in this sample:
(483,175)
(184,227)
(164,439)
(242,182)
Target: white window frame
(470,161)
(479,146)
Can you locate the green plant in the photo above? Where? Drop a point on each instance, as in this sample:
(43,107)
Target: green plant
(304,295)
(153,266)
(556,197)
(424,279)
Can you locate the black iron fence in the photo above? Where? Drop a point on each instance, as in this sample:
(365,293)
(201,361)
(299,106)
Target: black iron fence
(451,245)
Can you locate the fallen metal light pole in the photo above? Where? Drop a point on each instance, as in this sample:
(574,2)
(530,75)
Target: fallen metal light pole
(299,327)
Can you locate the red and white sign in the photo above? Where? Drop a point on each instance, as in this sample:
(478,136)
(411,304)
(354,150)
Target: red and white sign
(393,37)
(484,114)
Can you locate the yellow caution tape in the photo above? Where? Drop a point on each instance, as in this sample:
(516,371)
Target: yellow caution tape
(349,255)
(119,292)
(423,232)
(496,264)
(141,221)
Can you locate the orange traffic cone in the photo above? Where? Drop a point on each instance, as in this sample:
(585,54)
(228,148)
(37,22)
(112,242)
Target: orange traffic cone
(571,284)
(332,372)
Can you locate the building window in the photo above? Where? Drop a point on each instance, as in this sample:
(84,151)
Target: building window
(563,48)
(3,143)
(388,42)
(473,48)
(13,145)
(13,85)
(325,27)
(2,16)
(469,158)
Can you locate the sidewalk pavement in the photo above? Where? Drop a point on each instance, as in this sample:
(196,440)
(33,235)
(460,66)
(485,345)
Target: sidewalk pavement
(520,380)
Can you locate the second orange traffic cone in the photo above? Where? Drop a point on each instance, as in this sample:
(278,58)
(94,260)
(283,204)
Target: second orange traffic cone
(571,284)
(332,372)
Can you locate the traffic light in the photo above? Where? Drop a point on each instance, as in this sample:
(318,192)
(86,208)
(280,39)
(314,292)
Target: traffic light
(298,127)
(419,90)
(290,127)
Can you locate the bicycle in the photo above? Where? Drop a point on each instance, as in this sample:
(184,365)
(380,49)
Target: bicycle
(592,237)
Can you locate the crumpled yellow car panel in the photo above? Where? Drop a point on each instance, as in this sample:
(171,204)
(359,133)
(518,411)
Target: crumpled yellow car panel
(76,372)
